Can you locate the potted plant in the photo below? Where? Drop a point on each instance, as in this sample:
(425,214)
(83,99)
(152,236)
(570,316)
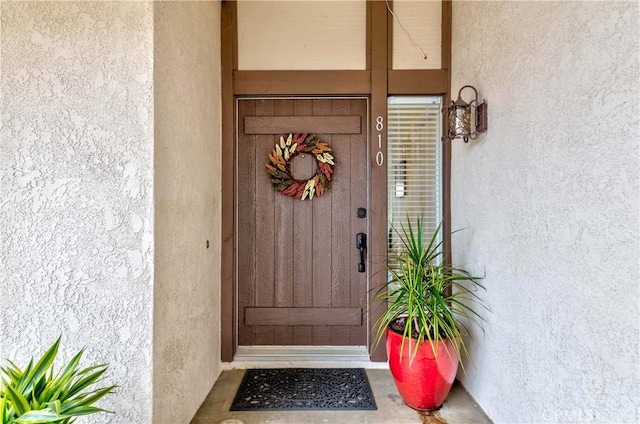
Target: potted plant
(427,306)
(36,394)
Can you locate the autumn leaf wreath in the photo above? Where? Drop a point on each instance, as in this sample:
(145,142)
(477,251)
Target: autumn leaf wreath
(279,167)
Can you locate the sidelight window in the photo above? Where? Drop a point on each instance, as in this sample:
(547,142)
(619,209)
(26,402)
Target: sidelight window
(414,153)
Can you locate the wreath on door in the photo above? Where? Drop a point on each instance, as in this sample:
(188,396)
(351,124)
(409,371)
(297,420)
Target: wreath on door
(279,167)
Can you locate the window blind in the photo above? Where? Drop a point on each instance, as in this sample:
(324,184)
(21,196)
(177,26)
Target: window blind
(414,158)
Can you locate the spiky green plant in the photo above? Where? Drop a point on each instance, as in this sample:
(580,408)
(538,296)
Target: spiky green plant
(37,395)
(429,296)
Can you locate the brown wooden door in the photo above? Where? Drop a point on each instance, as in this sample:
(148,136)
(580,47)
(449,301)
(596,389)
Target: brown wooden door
(297,262)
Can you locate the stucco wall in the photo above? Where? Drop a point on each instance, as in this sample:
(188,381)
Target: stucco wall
(76,157)
(550,199)
(186,336)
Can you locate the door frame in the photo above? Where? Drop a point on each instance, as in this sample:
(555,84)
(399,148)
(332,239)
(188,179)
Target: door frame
(376,82)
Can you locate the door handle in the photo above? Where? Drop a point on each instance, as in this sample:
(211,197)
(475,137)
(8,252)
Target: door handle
(361,244)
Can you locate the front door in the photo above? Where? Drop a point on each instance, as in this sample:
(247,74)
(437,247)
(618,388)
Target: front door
(298,269)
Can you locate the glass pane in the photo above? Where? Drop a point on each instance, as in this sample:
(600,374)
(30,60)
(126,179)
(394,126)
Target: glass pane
(302,35)
(414,153)
(422,20)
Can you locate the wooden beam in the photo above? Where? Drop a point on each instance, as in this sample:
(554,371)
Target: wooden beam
(413,82)
(228,29)
(390,28)
(378,166)
(368,37)
(446,148)
(445,51)
(301,82)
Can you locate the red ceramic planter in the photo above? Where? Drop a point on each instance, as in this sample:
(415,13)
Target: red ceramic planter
(425,382)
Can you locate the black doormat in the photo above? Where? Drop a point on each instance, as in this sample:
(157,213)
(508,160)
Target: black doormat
(295,389)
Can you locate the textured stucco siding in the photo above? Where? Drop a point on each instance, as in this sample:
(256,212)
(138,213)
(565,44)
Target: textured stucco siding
(186,342)
(549,197)
(76,207)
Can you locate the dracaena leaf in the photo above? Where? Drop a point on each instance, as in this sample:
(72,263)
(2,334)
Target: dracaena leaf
(40,395)
(86,381)
(41,416)
(85,410)
(85,399)
(55,406)
(18,401)
(4,418)
(39,370)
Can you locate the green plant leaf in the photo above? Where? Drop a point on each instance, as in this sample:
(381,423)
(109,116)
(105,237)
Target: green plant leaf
(33,376)
(41,416)
(85,400)
(18,401)
(71,366)
(87,380)
(40,395)
(55,406)
(13,372)
(4,418)
(24,377)
(62,383)
(87,410)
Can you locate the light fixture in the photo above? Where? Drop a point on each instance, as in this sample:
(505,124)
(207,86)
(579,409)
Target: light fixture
(459,120)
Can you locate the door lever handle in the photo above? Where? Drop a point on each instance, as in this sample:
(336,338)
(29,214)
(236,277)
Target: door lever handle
(361,244)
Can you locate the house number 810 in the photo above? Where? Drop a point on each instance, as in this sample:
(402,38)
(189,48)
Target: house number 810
(379,128)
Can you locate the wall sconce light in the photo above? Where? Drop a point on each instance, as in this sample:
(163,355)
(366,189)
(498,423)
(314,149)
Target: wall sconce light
(459,114)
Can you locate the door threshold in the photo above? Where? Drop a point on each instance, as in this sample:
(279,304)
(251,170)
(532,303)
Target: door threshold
(301,353)
(302,357)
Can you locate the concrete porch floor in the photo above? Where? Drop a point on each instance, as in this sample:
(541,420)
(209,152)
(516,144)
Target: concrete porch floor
(459,408)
